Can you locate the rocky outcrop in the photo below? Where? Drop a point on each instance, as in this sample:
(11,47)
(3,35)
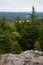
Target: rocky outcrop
(29,57)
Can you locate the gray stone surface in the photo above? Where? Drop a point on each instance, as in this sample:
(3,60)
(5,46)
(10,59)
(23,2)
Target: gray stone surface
(28,57)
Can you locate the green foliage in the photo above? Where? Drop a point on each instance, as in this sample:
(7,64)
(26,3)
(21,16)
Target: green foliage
(19,36)
(41,38)
(5,42)
(8,35)
(37,46)
(16,48)
(12,28)
(33,15)
(29,36)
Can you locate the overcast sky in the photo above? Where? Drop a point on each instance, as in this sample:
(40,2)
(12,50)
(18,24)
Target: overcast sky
(21,5)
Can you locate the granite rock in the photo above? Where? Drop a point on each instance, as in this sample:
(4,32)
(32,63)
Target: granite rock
(28,57)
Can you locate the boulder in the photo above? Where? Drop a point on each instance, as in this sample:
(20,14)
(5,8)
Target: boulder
(28,57)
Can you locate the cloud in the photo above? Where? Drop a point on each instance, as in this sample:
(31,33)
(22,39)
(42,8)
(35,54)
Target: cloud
(20,5)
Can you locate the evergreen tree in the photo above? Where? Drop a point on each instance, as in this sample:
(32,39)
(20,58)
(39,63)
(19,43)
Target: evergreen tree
(33,16)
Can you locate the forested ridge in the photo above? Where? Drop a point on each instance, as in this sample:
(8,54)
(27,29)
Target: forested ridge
(20,36)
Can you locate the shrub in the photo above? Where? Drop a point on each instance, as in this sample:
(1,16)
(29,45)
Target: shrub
(16,49)
(37,46)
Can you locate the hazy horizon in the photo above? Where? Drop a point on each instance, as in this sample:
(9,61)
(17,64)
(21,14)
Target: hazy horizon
(20,11)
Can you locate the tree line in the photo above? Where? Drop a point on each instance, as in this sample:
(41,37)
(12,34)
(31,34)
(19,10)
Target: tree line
(21,36)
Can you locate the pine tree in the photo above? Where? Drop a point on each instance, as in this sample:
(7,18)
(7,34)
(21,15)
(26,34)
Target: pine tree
(33,15)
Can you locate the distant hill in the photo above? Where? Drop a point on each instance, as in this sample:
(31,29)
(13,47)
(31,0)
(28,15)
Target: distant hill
(11,15)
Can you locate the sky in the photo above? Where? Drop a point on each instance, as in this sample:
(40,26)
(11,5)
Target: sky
(21,5)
